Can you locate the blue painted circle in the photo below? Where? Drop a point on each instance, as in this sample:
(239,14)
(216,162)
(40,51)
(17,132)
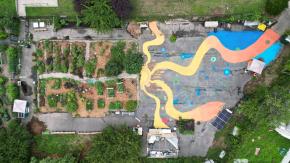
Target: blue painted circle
(213,59)
(227,72)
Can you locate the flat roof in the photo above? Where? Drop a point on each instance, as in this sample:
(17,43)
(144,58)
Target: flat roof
(19,106)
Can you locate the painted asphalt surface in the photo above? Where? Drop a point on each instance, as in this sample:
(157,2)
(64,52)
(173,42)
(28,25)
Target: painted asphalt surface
(208,110)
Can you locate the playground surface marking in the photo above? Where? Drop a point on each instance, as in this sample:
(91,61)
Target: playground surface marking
(209,110)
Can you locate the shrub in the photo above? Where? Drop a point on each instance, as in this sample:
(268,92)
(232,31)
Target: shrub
(117,52)
(120,87)
(275,7)
(3,80)
(111,83)
(133,62)
(131,105)
(12,57)
(122,8)
(89,105)
(113,68)
(2,90)
(3,35)
(57,84)
(101,103)
(111,92)
(115,105)
(39,53)
(72,104)
(100,88)
(48,45)
(12,92)
(40,67)
(52,100)
(173,38)
(90,67)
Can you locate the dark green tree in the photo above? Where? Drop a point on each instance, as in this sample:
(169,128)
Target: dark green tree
(115,144)
(15,143)
(113,68)
(133,62)
(100,15)
(275,7)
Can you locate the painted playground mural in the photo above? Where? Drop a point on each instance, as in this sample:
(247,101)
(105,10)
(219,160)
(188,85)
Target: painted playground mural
(260,45)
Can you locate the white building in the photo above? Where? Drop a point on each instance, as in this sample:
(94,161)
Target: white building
(256,66)
(20,107)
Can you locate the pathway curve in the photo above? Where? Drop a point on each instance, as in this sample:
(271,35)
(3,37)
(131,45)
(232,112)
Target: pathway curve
(206,111)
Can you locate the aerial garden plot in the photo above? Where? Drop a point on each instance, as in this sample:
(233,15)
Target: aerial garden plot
(79,79)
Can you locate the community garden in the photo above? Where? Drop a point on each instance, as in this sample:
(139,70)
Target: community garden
(87,100)
(80,85)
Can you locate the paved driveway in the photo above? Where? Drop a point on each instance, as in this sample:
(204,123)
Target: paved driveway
(65,122)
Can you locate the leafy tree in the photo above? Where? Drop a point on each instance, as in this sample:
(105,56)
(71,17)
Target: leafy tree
(133,62)
(115,144)
(12,55)
(99,15)
(3,80)
(275,7)
(113,68)
(131,105)
(115,105)
(122,8)
(267,107)
(12,92)
(15,143)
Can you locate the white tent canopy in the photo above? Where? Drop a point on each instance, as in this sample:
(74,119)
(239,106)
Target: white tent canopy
(20,106)
(256,66)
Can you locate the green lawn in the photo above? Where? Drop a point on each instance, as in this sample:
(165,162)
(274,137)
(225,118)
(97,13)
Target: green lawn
(8,6)
(65,8)
(270,142)
(59,144)
(153,8)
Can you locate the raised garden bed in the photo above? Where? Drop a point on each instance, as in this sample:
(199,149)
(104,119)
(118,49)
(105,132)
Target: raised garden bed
(82,99)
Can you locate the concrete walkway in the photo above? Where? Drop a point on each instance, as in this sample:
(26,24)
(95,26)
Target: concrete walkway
(64,122)
(283,22)
(85,79)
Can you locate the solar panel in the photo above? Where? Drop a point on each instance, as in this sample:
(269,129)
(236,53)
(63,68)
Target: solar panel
(222,118)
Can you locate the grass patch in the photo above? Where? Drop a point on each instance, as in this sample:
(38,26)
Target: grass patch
(270,143)
(8,6)
(59,144)
(176,8)
(65,8)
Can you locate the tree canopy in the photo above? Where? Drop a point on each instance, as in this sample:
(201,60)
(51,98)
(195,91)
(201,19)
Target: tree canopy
(100,15)
(275,7)
(122,8)
(115,144)
(133,62)
(15,143)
